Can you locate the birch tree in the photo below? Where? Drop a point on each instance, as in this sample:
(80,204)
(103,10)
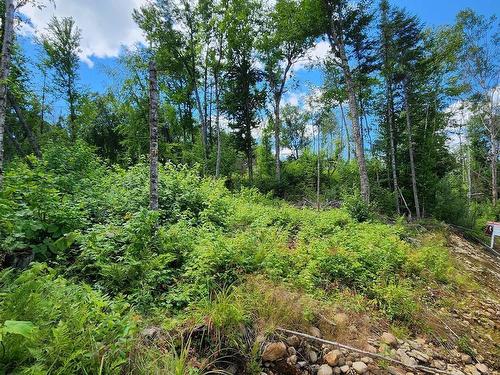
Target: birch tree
(343,18)
(8,36)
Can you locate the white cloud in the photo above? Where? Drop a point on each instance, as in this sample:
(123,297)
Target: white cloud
(314,56)
(107,25)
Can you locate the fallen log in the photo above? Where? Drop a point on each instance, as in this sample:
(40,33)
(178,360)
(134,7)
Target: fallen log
(429,370)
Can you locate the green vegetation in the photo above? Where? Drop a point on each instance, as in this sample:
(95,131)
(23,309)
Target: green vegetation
(197,257)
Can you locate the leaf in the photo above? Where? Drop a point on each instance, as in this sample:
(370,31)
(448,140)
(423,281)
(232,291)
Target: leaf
(19,327)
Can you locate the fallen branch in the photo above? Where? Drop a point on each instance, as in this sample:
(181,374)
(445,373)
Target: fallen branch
(375,355)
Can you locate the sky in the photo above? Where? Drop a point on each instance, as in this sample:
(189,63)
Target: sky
(107,28)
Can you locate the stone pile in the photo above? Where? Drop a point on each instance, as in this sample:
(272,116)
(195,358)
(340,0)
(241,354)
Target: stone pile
(297,356)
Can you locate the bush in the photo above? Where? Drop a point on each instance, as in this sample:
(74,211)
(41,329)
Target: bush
(76,330)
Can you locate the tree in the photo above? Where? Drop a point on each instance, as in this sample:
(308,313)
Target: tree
(8,36)
(343,19)
(286,39)
(153,135)
(295,129)
(242,98)
(480,68)
(387,51)
(61,43)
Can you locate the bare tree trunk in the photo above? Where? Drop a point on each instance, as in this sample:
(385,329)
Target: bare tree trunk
(494,177)
(217,124)
(410,150)
(347,138)
(153,136)
(277,138)
(354,114)
(31,137)
(392,147)
(42,114)
(8,35)
(469,175)
(318,170)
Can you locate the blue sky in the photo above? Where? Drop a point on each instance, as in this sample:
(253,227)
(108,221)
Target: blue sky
(107,31)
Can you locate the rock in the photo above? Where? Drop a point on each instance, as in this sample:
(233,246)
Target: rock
(389,339)
(344,369)
(293,341)
(151,333)
(325,370)
(440,365)
(395,371)
(360,367)
(366,360)
(465,358)
(274,351)
(482,368)
(291,350)
(332,357)
(336,370)
(370,348)
(302,364)
(313,356)
(471,370)
(420,341)
(405,358)
(422,357)
(292,360)
(314,331)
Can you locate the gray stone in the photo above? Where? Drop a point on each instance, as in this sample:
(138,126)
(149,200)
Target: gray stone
(360,367)
(314,331)
(422,357)
(293,341)
(405,358)
(313,356)
(344,369)
(482,368)
(325,370)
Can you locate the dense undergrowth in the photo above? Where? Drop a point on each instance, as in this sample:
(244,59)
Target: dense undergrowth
(105,266)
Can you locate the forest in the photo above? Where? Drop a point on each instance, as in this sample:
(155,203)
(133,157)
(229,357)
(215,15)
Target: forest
(212,211)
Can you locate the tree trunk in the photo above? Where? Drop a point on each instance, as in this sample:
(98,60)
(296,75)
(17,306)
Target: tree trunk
(217,124)
(494,156)
(410,150)
(318,170)
(31,137)
(8,35)
(277,140)
(153,136)
(347,138)
(392,147)
(354,114)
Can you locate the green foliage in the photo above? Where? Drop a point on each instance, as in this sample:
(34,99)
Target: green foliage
(357,207)
(61,325)
(191,257)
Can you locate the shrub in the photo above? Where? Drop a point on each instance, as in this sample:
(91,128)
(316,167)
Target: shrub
(77,330)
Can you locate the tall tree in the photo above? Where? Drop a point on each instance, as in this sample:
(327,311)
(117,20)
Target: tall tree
(286,39)
(8,36)
(61,43)
(343,19)
(153,135)
(243,98)
(480,67)
(386,30)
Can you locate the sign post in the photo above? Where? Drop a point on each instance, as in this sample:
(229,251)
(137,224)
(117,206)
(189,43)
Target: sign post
(495,231)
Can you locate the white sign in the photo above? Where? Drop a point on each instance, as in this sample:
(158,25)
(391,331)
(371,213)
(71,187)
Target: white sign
(495,232)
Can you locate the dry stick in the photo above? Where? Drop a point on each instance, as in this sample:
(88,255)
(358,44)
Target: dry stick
(416,367)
